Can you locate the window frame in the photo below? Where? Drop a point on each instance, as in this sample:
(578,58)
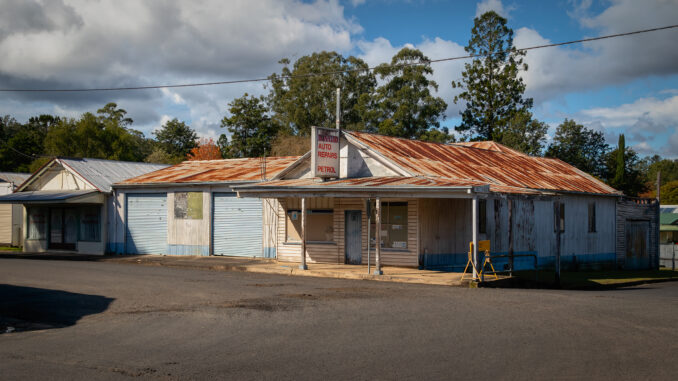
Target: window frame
(81,211)
(309,212)
(384,221)
(560,215)
(593,223)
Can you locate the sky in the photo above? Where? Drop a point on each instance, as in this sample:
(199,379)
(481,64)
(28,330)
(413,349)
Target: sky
(624,85)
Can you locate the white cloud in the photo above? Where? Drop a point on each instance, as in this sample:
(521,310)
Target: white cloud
(493,5)
(116,43)
(648,113)
(647,122)
(556,71)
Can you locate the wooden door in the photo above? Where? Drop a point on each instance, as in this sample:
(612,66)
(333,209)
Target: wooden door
(353,237)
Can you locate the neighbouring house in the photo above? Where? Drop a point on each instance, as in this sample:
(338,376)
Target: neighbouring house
(11,216)
(191,209)
(668,228)
(434,199)
(668,235)
(67,203)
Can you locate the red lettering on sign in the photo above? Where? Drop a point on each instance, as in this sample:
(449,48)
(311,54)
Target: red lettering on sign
(324,169)
(328,138)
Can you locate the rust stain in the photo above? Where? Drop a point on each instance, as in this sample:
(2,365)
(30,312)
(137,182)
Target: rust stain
(504,169)
(198,171)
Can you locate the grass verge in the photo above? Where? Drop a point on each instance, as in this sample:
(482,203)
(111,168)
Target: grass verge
(9,248)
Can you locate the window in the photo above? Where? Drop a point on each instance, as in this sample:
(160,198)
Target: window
(592,217)
(482,216)
(319,225)
(393,225)
(188,205)
(90,226)
(559,214)
(37,223)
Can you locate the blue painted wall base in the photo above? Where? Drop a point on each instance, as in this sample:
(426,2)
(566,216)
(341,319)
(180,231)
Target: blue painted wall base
(457,262)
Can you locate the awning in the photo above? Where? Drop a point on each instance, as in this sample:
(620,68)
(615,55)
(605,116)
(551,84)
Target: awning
(388,186)
(89,196)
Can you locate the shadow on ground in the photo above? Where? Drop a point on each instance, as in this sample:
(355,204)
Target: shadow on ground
(29,308)
(581,280)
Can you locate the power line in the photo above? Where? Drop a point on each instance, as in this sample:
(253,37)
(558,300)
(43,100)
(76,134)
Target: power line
(266,79)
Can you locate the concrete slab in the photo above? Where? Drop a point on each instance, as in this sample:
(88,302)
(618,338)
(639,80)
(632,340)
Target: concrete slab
(267,266)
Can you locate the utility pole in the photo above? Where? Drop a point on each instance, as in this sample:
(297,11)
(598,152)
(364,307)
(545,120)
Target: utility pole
(556,211)
(659,184)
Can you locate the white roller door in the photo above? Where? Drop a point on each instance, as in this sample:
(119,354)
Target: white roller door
(236,225)
(146,223)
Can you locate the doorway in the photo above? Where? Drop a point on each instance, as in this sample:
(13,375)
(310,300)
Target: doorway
(63,228)
(353,237)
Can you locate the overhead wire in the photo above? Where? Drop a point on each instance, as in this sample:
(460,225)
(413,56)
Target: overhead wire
(308,75)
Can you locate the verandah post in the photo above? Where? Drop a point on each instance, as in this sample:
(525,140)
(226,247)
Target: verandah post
(303,235)
(377,251)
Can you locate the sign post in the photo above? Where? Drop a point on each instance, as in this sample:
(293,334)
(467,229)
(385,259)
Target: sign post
(325,152)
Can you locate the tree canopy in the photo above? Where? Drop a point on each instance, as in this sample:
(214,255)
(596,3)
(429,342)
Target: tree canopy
(299,101)
(403,104)
(491,88)
(176,139)
(252,129)
(205,150)
(581,147)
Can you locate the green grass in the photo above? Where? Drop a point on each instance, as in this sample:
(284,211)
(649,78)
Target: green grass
(595,279)
(9,248)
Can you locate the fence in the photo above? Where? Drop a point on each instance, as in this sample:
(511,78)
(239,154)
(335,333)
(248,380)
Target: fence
(668,255)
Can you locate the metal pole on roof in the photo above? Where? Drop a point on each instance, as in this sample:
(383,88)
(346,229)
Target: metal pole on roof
(338,107)
(338,126)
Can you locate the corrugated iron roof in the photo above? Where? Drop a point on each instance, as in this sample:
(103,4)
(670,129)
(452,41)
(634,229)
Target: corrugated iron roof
(44,196)
(222,171)
(104,173)
(377,181)
(487,162)
(15,178)
(668,218)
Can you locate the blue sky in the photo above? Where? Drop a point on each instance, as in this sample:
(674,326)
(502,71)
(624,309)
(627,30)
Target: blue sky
(626,85)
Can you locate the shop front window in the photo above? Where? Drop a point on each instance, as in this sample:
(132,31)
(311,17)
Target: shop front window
(90,224)
(319,225)
(37,223)
(393,225)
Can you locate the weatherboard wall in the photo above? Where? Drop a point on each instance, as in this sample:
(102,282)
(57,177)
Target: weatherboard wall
(333,252)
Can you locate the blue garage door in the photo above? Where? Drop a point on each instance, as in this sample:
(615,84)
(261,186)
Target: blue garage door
(236,226)
(146,223)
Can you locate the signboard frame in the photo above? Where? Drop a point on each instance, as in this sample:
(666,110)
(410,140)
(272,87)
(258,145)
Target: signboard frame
(325,148)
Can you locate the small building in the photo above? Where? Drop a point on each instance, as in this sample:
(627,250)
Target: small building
(11,216)
(434,199)
(191,209)
(67,203)
(668,228)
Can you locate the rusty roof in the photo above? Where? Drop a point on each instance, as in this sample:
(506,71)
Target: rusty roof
(209,171)
(486,162)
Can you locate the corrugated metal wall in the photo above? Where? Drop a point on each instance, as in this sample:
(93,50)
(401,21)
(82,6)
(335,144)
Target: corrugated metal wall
(446,231)
(630,211)
(146,223)
(237,226)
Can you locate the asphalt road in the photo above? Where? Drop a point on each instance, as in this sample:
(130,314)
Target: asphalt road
(85,320)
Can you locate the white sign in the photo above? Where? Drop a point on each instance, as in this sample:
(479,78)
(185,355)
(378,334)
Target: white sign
(325,152)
